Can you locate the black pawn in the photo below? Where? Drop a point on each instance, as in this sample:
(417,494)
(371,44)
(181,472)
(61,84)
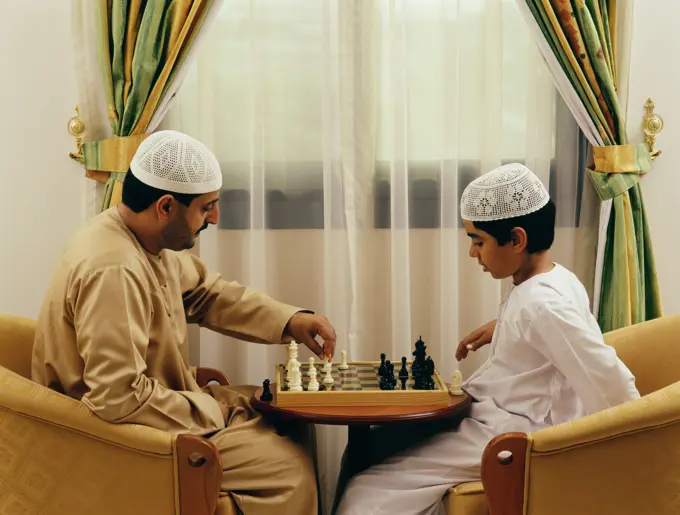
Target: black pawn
(403,373)
(266,392)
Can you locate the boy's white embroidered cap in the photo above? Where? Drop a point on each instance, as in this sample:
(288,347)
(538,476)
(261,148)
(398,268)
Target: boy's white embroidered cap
(508,191)
(173,161)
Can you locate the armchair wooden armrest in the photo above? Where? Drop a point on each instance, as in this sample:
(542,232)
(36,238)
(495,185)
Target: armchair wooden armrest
(623,460)
(205,375)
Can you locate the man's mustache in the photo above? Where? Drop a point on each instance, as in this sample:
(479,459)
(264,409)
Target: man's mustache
(205,226)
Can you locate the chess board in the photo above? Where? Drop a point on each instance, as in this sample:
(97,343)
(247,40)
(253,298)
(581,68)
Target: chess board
(359,385)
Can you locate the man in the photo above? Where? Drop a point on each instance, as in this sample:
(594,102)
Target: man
(113,327)
(548,361)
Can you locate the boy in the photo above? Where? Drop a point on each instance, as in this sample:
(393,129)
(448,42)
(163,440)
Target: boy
(548,361)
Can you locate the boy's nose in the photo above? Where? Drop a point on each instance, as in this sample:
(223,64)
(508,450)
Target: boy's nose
(214,215)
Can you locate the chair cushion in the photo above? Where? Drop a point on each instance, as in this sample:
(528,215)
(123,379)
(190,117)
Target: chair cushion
(16,344)
(227,506)
(466,499)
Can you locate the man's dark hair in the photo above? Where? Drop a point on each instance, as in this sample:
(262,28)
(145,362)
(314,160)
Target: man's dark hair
(139,196)
(539,226)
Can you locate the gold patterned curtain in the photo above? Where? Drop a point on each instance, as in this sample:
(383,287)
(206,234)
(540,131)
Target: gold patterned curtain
(144,49)
(576,38)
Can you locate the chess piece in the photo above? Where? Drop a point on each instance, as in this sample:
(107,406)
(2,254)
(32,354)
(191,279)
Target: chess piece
(292,357)
(381,368)
(456,383)
(418,361)
(292,352)
(328,378)
(327,365)
(388,381)
(390,375)
(313,385)
(295,382)
(343,364)
(403,373)
(427,373)
(266,392)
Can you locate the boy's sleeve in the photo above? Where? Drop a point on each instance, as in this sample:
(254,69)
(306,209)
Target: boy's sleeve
(600,379)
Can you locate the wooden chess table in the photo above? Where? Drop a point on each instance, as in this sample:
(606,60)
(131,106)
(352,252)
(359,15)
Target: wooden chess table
(360,418)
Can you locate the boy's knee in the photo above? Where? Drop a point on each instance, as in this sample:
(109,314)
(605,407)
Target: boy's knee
(353,501)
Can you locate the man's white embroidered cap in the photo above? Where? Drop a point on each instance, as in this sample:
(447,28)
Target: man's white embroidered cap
(175,162)
(508,191)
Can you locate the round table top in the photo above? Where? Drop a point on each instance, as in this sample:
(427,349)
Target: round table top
(361,415)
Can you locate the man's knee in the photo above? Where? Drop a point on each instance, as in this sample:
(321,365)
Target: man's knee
(303,484)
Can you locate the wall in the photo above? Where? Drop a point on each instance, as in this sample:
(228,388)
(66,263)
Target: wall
(41,188)
(656,42)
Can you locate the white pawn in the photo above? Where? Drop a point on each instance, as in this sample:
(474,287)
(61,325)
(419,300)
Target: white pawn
(327,364)
(343,364)
(456,383)
(313,383)
(328,378)
(295,381)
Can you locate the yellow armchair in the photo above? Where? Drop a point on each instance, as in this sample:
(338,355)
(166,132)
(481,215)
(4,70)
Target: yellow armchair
(57,457)
(624,460)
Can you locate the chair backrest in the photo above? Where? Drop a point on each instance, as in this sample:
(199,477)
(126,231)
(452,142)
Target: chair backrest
(651,350)
(16,344)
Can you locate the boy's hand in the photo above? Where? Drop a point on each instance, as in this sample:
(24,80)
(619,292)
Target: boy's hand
(476,339)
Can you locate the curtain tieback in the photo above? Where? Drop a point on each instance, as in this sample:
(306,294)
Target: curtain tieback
(112,154)
(618,168)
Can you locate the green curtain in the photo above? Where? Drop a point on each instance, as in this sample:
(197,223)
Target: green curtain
(579,33)
(142,45)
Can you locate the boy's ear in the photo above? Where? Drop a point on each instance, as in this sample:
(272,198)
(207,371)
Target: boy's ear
(518,238)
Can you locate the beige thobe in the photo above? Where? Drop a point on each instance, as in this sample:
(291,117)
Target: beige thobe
(112,332)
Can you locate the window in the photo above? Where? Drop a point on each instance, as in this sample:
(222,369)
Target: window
(434,92)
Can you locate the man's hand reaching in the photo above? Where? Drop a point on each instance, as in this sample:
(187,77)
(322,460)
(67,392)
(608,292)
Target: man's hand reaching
(303,327)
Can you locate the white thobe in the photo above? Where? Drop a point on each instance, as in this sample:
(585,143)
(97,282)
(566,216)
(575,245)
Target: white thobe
(548,364)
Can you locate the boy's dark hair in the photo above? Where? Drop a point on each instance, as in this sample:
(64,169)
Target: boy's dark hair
(539,226)
(139,196)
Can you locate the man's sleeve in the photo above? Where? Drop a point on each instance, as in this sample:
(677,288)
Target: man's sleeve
(594,371)
(112,315)
(229,307)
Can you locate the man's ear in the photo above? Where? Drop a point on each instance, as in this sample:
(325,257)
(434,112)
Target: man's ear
(165,206)
(518,238)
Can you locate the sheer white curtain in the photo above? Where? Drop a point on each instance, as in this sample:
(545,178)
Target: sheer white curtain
(347,130)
